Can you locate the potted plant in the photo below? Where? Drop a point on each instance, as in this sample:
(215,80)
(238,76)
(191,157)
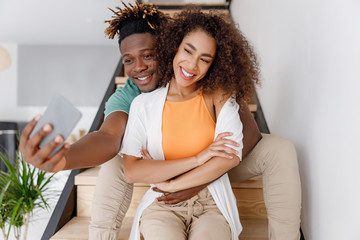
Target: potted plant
(23,190)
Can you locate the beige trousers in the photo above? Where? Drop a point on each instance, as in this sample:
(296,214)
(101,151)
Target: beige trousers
(111,201)
(194,219)
(273,157)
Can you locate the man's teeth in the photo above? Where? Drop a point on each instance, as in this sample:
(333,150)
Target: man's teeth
(142,78)
(186,74)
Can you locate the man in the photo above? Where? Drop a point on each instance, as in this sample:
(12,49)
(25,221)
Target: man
(273,157)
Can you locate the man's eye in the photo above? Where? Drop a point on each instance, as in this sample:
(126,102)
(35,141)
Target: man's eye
(148,56)
(128,61)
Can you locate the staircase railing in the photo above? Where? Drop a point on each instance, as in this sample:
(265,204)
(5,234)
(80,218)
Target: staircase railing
(259,116)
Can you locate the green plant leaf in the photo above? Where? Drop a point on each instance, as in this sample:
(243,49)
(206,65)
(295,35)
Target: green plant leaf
(23,189)
(15,213)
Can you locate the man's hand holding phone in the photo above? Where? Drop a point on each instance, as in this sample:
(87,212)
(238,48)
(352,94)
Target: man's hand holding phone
(42,140)
(40,158)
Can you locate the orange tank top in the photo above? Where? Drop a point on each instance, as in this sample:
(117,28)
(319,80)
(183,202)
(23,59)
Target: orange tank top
(187,128)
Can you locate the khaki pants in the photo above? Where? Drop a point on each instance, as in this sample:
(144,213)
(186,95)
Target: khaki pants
(194,219)
(111,201)
(273,157)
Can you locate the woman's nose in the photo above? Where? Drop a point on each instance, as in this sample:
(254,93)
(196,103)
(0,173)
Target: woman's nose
(193,64)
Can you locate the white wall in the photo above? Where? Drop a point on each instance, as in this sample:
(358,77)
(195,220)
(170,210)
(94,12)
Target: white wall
(80,73)
(310,60)
(96,63)
(8,80)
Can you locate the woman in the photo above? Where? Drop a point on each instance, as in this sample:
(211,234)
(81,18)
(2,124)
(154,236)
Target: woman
(212,65)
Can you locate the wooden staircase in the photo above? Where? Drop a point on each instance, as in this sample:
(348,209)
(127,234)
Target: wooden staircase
(249,197)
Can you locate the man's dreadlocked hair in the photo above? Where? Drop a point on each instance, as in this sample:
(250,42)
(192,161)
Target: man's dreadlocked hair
(141,18)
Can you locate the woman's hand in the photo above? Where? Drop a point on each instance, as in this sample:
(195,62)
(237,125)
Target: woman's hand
(218,149)
(146,154)
(164,186)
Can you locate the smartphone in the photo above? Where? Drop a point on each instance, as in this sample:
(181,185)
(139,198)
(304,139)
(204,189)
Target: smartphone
(63,117)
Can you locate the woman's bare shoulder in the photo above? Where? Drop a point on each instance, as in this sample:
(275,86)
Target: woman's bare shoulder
(218,99)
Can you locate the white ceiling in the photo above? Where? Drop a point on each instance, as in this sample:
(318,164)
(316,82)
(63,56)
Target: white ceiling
(56,22)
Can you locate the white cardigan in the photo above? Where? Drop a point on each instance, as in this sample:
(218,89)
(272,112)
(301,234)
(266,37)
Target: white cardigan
(144,130)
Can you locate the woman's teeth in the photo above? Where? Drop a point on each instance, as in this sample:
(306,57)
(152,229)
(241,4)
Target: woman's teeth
(186,73)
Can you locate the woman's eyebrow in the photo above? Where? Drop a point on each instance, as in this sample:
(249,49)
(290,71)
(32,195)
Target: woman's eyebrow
(194,48)
(191,46)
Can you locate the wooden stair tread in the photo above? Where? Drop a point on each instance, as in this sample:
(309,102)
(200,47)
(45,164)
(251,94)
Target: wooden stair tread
(120,79)
(255,182)
(249,201)
(252,107)
(89,176)
(77,228)
(249,195)
(180,3)
(171,12)
(172,8)
(254,229)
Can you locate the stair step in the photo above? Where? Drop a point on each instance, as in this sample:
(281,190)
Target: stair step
(172,8)
(248,194)
(250,202)
(252,107)
(249,197)
(85,196)
(254,229)
(255,182)
(89,177)
(172,12)
(120,81)
(77,228)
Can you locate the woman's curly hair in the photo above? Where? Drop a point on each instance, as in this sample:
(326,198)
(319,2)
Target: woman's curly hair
(138,18)
(234,70)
